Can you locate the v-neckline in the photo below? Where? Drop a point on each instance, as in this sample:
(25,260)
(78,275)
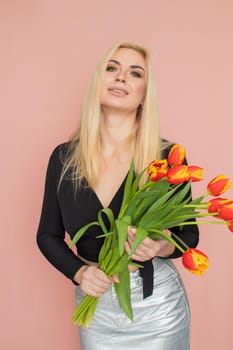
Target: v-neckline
(114,196)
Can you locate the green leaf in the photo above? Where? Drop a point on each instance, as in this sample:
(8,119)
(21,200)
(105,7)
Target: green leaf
(80,232)
(141,234)
(122,230)
(127,189)
(106,260)
(123,293)
(105,248)
(181,193)
(137,182)
(161,234)
(134,263)
(197,200)
(108,212)
(115,259)
(119,266)
(157,204)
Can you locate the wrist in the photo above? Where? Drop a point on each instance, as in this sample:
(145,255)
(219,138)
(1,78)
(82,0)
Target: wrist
(78,276)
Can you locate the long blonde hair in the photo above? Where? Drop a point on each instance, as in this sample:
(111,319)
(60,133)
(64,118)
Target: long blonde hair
(83,157)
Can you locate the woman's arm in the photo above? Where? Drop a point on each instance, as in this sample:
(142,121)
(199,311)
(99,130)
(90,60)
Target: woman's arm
(51,232)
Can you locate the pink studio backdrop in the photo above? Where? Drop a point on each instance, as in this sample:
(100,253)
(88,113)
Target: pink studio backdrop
(48,51)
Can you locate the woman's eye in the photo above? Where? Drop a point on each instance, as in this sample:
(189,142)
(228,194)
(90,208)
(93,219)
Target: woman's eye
(111,69)
(136,74)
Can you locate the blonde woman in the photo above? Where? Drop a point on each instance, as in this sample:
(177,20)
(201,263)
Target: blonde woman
(119,122)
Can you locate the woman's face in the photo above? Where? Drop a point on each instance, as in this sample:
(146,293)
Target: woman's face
(125,80)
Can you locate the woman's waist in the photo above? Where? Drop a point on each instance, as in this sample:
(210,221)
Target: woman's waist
(131,268)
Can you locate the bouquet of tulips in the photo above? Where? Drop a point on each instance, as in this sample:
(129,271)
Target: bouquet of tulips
(162,202)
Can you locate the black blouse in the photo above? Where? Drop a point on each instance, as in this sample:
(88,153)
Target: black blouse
(67,210)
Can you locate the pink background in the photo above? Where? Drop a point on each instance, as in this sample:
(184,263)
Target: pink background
(48,51)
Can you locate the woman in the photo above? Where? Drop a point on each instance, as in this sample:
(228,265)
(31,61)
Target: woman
(119,121)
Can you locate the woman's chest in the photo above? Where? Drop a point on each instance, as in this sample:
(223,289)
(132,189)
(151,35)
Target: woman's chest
(81,207)
(109,182)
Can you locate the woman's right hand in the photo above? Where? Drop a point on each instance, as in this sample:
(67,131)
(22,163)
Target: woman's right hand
(94,281)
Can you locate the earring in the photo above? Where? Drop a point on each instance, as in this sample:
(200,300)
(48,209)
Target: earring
(140,108)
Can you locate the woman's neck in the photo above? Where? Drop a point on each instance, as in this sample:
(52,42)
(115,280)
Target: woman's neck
(117,134)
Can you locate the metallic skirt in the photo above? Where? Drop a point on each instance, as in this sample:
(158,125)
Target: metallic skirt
(161,321)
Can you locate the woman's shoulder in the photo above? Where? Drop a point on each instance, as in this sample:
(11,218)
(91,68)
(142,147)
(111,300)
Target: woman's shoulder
(63,150)
(59,151)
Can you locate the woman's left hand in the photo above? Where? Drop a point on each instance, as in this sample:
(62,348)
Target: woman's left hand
(149,248)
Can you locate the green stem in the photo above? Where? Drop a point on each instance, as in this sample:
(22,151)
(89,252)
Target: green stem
(123,208)
(201,222)
(170,239)
(201,206)
(181,241)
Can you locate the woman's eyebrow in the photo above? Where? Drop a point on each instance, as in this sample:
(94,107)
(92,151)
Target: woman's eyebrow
(132,66)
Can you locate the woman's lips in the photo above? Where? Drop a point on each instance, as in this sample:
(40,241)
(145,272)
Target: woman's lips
(118,90)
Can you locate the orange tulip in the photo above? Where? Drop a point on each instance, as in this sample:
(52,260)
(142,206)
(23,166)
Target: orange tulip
(215,203)
(157,169)
(176,155)
(178,174)
(225,212)
(195,261)
(230,225)
(218,185)
(195,173)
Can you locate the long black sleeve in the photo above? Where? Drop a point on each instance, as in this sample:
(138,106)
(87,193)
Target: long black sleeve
(51,231)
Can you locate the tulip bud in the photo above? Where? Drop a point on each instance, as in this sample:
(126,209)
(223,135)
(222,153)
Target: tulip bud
(195,261)
(218,185)
(215,203)
(157,169)
(176,155)
(225,212)
(178,174)
(195,173)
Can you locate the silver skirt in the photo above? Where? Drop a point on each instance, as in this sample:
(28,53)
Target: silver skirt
(161,321)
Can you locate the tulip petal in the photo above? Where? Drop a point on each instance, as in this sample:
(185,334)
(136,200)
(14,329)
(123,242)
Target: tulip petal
(176,155)
(215,203)
(195,261)
(178,174)
(195,173)
(225,212)
(218,185)
(157,169)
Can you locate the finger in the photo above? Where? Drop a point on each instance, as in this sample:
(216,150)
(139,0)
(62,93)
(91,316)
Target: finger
(115,279)
(143,253)
(131,232)
(127,247)
(131,229)
(130,241)
(97,277)
(147,242)
(91,288)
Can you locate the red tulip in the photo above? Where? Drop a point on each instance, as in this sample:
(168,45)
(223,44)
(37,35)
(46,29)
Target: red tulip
(195,261)
(225,212)
(195,173)
(218,185)
(157,169)
(230,225)
(178,174)
(176,155)
(215,203)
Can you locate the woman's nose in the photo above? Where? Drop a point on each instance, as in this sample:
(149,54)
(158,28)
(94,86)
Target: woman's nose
(121,76)
(120,79)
